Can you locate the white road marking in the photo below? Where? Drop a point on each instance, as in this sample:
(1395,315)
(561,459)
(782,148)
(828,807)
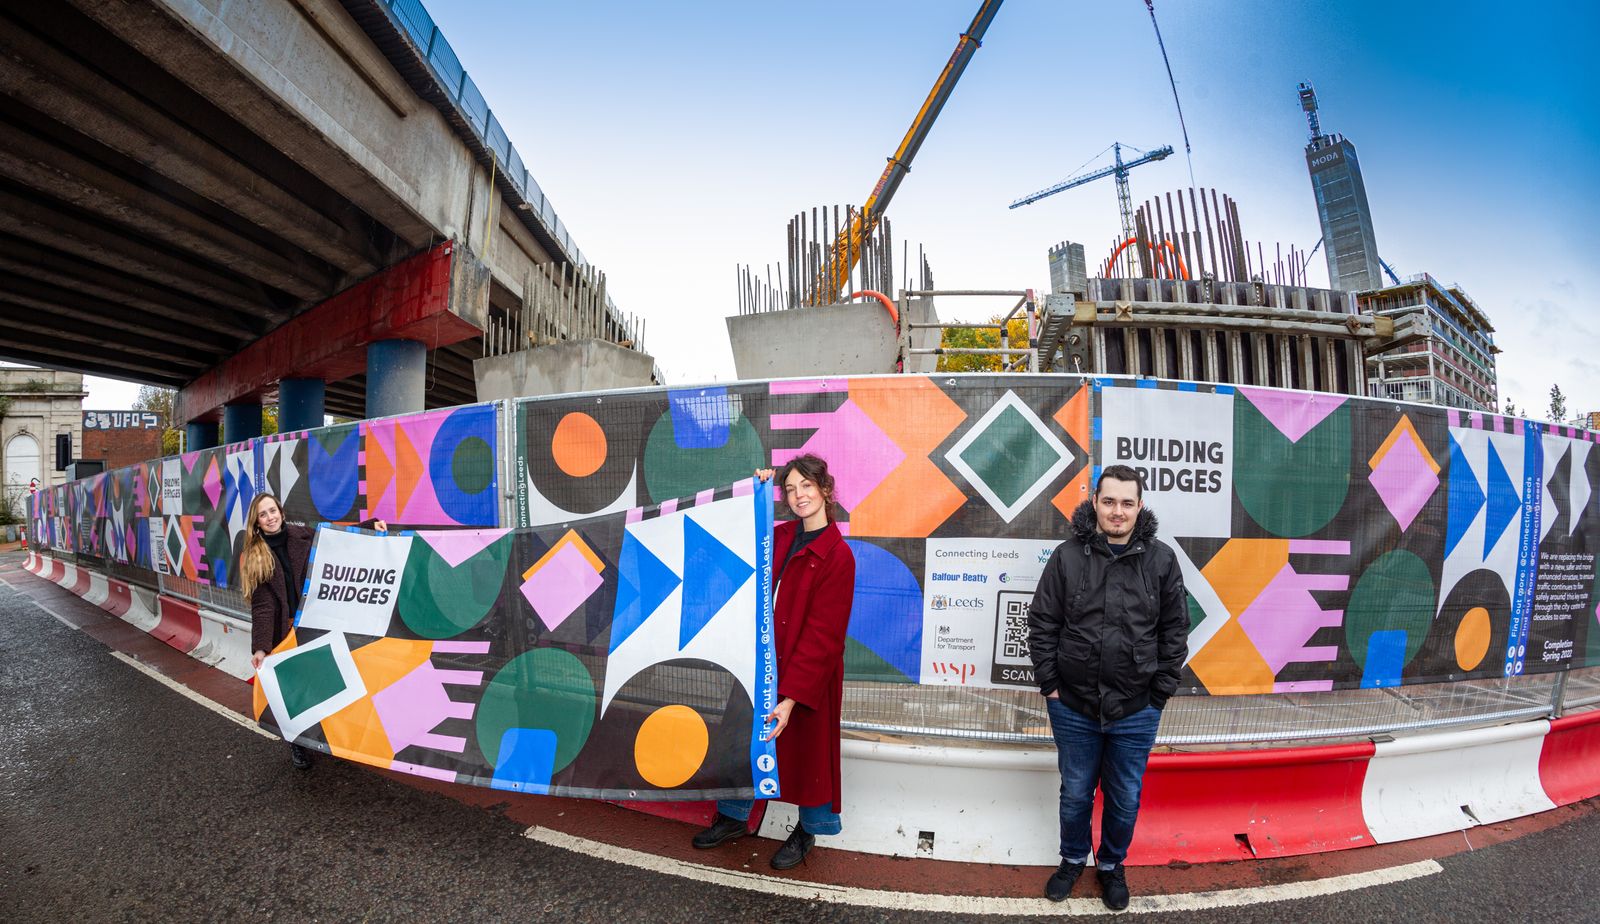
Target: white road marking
(877,898)
(182,690)
(57,616)
(971,904)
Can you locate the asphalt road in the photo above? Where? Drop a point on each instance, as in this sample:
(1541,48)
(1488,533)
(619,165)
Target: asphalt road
(122,800)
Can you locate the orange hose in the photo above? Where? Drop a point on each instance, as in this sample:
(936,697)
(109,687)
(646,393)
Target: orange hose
(1111,261)
(888,303)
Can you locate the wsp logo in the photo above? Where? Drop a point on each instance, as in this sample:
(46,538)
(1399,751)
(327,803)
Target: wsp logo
(953,669)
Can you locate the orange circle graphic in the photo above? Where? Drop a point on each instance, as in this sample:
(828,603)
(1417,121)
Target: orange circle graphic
(579,445)
(671,746)
(1472,638)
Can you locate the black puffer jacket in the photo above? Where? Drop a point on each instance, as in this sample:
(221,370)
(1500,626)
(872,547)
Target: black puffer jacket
(1109,632)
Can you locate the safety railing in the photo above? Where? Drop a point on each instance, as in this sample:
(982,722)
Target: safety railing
(415,23)
(983,716)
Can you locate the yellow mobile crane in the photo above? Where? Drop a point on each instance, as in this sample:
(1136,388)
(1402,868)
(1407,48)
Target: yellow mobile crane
(846,249)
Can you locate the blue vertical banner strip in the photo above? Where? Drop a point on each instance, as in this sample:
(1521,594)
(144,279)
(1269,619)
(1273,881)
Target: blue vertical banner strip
(258,470)
(1096,427)
(1527,547)
(764,753)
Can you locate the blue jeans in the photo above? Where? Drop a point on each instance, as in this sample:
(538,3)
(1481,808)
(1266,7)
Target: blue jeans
(1111,755)
(815,819)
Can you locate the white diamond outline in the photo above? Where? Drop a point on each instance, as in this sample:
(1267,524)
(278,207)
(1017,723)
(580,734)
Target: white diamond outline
(354,687)
(1008,512)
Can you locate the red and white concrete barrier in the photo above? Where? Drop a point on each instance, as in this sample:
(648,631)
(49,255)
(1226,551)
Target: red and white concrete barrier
(1418,786)
(994,805)
(211,637)
(224,644)
(999,806)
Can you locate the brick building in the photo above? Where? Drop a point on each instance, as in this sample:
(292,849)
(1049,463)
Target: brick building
(120,438)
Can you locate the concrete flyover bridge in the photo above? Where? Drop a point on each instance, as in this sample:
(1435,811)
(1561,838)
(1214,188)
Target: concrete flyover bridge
(240,198)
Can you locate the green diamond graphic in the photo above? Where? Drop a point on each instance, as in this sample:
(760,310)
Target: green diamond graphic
(308,679)
(1010,456)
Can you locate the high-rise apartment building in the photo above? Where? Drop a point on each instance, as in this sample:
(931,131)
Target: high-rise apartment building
(1347,236)
(1454,367)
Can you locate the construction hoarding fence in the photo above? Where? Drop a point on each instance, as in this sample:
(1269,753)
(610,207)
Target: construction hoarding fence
(1327,542)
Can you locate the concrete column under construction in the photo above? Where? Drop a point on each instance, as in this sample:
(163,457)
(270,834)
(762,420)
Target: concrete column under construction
(396,372)
(241,422)
(300,404)
(199,434)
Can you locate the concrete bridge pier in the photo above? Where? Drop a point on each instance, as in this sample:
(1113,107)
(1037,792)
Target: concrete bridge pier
(396,373)
(301,404)
(241,421)
(199,434)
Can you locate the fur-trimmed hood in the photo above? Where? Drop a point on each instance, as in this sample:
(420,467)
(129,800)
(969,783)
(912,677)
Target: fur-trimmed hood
(1085,524)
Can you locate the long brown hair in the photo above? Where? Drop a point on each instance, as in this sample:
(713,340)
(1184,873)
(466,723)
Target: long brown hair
(257,561)
(814,469)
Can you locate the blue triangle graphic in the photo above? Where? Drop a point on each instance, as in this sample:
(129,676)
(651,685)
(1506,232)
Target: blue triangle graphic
(1503,501)
(642,583)
(712,574)
(1465,497)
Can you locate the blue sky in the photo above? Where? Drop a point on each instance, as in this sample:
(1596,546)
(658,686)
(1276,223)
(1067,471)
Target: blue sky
(675,140)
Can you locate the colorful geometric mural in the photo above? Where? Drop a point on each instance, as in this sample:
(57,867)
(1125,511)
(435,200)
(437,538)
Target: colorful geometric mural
(913,457)
(1326,541)
(627,656)
(185,515)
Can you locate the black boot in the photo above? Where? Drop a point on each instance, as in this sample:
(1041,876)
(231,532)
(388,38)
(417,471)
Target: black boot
(300,757)
(1062,880)
(794,849)
(1114,887)
(723,829)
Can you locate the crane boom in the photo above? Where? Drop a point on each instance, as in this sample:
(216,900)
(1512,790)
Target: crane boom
(846,250)
(1118,169)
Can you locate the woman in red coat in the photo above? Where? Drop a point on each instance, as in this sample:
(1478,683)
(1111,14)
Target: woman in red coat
(815,575)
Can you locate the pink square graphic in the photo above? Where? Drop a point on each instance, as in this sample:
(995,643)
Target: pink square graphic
(561,585)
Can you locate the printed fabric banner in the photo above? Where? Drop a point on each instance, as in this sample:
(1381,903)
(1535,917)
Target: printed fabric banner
(623,656)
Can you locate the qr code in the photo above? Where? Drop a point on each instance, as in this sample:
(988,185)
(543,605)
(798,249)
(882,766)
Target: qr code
(1014,641)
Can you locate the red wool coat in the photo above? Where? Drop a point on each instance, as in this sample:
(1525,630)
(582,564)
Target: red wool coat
(810,617)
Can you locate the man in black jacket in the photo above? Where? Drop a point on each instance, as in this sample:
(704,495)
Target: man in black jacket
(1108,631)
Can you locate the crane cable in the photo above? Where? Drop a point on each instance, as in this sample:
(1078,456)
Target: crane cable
(1151,6)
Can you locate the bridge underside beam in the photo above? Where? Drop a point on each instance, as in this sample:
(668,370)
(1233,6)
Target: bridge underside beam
(436,298)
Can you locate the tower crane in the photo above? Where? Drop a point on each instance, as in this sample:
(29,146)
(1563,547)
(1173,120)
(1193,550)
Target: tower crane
(1118,169)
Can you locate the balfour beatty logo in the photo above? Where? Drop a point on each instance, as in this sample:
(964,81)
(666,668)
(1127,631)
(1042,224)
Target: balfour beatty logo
(944,602)
(953,577)
(957,670)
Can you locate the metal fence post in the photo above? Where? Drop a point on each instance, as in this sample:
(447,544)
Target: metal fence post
(1558,695)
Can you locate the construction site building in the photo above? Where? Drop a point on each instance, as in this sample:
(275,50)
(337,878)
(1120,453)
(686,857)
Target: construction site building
(1454,366)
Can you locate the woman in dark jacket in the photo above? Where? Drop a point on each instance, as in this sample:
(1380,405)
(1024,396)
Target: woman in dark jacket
(814,574)
(273,549)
